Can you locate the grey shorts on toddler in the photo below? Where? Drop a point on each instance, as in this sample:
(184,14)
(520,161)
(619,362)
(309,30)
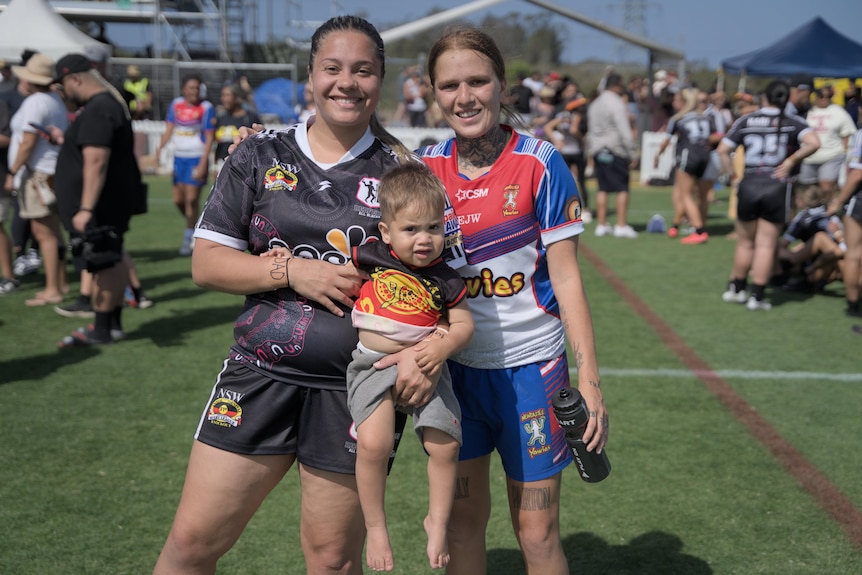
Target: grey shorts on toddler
(367,386)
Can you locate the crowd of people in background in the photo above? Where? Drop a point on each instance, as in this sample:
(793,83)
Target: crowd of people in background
(808,250)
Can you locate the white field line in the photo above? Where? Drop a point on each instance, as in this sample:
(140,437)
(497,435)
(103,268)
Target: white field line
(728,374)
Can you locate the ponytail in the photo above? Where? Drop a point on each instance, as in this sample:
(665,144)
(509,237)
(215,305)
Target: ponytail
(111,89)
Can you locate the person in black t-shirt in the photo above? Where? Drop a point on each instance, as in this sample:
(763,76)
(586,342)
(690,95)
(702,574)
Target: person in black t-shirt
(96,195)
(229,120)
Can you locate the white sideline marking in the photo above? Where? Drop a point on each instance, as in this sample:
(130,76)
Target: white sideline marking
(728,374)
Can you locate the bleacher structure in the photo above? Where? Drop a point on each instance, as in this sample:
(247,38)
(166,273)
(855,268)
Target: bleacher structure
(182,29)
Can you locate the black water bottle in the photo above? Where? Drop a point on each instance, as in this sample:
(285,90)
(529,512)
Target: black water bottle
(571,412)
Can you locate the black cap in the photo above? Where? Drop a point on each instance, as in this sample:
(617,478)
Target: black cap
(26,55)
(802,81)
(71,64)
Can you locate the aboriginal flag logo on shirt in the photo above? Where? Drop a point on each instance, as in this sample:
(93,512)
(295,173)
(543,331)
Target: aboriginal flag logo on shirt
(398,294)
(225,413)
(280,177)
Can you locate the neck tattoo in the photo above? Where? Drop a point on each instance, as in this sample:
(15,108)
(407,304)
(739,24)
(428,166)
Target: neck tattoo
(481,153)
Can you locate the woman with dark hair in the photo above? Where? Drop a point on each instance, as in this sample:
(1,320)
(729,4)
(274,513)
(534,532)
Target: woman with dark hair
(190,122)
(774,146)
(233,115)
(280,397)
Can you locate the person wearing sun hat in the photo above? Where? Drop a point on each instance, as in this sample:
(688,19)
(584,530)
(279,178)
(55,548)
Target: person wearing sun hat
(32,163)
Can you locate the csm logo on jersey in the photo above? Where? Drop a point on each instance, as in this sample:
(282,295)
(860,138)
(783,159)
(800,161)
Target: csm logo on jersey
(463,195)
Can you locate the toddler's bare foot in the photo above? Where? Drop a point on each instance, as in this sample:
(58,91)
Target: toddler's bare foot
(378,551)
(438,546)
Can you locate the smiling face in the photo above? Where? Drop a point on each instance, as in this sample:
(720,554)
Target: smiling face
(191,91)
(415,235)
(468,91)
(345,79)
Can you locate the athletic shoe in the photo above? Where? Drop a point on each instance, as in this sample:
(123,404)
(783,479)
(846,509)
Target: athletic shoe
(8,285)
(856,329)
(84,337)
(116,334)
(27,264)
(77,308)
(850,312)
(603,230)
(144,302)
(185,249)
(694,239)
(586,216)
(754,304)
(140,302)
(627,232)
(733,296)
(673,232)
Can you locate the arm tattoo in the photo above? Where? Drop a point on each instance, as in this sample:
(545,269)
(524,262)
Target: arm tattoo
(530,498)
(579,357)
(278,270)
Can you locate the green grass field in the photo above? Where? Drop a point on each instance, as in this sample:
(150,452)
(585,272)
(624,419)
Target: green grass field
(96,441)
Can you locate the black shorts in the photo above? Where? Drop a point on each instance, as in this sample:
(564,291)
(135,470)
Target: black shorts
(764,198)
(252,414)
(693,161)
(611,171)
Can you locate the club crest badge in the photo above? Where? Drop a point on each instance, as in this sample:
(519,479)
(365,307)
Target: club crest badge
(510,195)
(280,177)
(225,413)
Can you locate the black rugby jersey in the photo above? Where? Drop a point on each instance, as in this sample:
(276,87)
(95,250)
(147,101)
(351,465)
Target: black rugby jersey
(271,193)
(692,129)
(766,145)
(807,223)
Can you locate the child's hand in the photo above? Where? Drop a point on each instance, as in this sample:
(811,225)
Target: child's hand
(430,357)
(277,252)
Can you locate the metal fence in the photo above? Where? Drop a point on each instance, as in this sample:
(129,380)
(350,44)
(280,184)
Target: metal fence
(165,76)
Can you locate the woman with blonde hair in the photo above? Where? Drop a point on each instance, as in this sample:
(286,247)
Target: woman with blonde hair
(696,135)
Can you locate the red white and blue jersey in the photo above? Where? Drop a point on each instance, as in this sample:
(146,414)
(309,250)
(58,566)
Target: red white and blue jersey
(191,123)
(525,202)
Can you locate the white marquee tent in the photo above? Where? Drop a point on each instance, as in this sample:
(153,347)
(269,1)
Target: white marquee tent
(34,25)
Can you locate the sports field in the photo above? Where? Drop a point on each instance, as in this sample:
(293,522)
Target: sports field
(735,435)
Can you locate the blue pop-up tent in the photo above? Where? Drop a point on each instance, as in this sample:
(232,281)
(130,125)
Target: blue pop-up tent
(277,99)
(815,49)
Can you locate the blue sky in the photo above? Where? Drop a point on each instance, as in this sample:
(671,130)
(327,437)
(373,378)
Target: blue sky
(703,29)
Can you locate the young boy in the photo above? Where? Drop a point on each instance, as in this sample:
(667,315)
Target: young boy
(412,296)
